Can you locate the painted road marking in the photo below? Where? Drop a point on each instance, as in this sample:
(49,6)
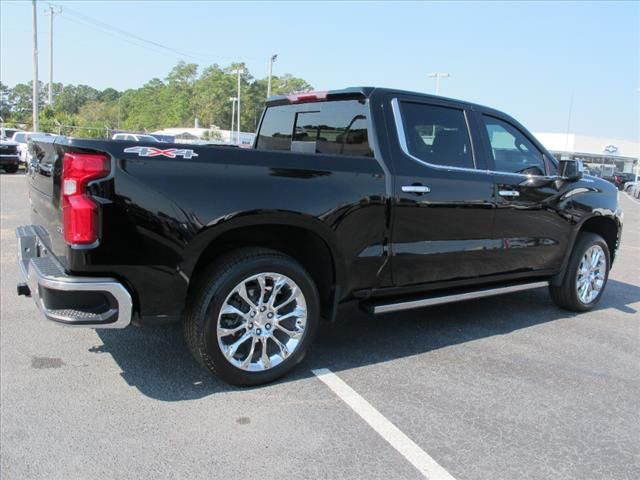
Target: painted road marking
(634,200)
(387,430)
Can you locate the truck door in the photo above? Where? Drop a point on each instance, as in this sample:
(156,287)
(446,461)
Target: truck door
(443,208)
(532,232)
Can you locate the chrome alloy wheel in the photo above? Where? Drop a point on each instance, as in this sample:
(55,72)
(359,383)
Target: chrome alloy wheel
(261,322)
(591,274)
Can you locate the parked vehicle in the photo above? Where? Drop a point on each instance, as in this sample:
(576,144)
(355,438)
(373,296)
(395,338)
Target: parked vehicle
(22,139)
(620,178)
(9,157)
(394,199)
(7,133)
(135,137)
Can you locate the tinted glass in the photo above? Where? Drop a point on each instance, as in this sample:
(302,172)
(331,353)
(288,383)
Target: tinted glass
(20,137)
(276,129)
(512,151)
(437,135)
(338,128)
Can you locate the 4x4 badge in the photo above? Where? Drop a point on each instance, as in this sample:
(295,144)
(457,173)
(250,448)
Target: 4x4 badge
(157,152)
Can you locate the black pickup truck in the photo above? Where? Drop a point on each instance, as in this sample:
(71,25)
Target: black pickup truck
(395,199)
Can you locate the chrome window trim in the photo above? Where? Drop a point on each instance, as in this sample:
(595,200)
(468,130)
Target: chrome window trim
(397,116)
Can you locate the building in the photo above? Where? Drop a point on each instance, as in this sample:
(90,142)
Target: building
(206,135)
(601,156)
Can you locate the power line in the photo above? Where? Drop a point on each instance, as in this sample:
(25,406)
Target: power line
(86,24)
(104,25)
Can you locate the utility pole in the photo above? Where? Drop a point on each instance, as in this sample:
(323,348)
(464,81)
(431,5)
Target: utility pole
(271,60)
(51,13)
(438,76)
(35,67)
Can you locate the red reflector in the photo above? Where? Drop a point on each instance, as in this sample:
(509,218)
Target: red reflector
(307,97)
(79,211)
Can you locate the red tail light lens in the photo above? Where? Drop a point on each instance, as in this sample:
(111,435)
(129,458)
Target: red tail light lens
(79,211)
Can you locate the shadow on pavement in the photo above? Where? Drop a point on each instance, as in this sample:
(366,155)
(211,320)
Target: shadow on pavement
(157,362)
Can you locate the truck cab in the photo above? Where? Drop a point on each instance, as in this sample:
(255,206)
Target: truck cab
(393,199)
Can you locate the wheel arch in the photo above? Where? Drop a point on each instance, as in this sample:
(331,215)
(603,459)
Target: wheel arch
(304,239)
(607,226)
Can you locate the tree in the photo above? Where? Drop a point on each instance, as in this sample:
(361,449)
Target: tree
(109,95)
(72,97)
(5,107)
(186,93)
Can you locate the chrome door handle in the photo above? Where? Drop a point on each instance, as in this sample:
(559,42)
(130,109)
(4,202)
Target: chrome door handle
(508,193)
(415,189)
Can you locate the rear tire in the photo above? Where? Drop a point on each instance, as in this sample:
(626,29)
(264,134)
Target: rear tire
(11,168)
(586,275)
(235,325)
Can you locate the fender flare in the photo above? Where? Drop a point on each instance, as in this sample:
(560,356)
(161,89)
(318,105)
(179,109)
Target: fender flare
(207,235)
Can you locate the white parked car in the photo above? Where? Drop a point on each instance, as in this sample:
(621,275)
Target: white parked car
(135,137)
(22,139)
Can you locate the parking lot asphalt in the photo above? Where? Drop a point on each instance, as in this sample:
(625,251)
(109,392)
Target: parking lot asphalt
(508,388)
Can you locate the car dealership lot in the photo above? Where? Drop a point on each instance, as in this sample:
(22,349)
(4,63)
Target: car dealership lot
(500,388)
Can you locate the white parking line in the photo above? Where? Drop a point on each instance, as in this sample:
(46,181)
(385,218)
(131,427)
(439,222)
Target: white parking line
(634,200)
(387,430)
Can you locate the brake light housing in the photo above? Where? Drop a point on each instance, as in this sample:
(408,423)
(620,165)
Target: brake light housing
(307,97)
(80,213)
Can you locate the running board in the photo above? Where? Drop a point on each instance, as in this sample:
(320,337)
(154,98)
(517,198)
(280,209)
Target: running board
(456,297)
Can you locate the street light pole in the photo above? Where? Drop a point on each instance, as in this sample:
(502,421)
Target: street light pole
(35,68)
(438,76)
(271,60)
(233,116)
(239,71)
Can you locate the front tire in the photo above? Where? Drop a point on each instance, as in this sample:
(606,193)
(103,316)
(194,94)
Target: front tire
(586,276)
(11,168)
(252,316)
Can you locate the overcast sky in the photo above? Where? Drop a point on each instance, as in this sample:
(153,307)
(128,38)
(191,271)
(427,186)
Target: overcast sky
(527,59)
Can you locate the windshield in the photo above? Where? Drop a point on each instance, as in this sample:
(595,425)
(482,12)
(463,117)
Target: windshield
(20,137)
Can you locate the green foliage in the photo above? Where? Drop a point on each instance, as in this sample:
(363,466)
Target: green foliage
(186,93)
(212,135)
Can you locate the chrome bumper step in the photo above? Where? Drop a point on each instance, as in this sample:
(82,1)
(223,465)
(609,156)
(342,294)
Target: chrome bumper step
(67,299)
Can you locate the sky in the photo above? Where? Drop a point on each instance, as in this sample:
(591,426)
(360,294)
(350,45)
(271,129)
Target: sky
(555,66)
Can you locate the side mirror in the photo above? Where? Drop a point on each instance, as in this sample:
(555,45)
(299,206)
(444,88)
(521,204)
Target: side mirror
(570,169)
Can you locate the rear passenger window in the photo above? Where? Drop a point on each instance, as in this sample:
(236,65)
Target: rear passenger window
(437,135)
(335,128)
(512,151)
(276,129)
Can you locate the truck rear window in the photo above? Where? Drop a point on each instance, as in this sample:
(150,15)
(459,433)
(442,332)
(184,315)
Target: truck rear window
(334,128)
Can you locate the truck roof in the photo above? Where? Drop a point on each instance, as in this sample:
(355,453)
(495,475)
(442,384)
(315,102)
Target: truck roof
(367,92)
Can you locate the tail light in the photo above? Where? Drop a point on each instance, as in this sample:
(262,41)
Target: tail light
(79,211)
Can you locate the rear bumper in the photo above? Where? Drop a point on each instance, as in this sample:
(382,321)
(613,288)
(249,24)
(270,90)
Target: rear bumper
(71,300)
